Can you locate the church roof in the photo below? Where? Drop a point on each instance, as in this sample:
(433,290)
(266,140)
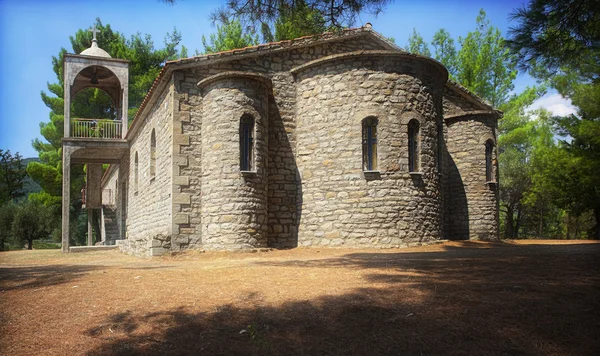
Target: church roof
(273,47)
(260,49)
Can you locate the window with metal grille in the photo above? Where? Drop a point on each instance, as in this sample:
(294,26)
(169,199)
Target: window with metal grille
(489,163)
(369,143)
(247,143)
(152,154)
(135,173)
(413,146)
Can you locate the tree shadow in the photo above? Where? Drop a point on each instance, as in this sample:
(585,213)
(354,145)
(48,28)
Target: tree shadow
(456,214)
(30,277)
(514,300)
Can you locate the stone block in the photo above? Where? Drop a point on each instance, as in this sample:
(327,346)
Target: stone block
(181,219)
(182,198)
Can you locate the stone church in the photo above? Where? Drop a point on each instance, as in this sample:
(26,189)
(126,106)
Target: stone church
(339,139)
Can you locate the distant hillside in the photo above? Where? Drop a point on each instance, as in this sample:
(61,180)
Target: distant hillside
(29,185)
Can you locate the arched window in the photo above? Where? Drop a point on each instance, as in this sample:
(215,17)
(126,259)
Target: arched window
(440,146)
(489,161)
(413,146)
(136,170)
(247,143)
(152,154)
(369,143)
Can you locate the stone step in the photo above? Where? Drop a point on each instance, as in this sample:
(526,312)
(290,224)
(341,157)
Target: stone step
(92,248)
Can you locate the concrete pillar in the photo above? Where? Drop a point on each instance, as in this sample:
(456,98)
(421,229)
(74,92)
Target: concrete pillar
(67,103)
(90,234)
(66,199)
(124,106)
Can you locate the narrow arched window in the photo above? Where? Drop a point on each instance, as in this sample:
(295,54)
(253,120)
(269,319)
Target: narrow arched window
(440,146)
(369,143)
(413,146)
(152,154)
(489,161)
(247,143)
(136,170)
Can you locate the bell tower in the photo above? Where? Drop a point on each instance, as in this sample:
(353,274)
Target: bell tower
(90,140)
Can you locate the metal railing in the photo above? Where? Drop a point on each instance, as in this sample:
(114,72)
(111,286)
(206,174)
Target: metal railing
(96,128)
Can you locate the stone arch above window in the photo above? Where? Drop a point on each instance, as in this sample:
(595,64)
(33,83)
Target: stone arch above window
(247,143)
(414,145)
(369,143)
(153,154)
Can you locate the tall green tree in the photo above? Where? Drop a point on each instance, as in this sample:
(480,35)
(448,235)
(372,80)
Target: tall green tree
(230,35)
(145,64)
(445,51)
(516,130)
(7,214)
(12,176)
(484,64)
(32,221)
(560,41)
(417,45)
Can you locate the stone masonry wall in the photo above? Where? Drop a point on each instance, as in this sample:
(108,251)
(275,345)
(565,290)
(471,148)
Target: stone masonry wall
(284,194)
(313,182)
(342,205)
(149,209)
(471,202)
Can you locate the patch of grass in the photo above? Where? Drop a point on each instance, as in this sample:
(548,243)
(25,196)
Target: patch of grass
(45,245)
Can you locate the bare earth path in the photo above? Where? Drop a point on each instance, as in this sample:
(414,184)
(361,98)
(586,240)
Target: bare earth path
(459,298)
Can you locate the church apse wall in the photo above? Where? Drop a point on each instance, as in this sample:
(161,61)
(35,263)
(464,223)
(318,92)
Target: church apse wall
(471,191)
(343,201)
(234,161)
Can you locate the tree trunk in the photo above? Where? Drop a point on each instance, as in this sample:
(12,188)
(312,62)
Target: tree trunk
(517,224)
(541,227)
(508,228)
(30,244)
(597,217)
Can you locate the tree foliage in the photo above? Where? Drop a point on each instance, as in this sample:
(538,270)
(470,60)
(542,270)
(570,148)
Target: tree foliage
(445,51)
(230,35)
(417,45)
(297,21)
(31,221)
(328,14)
(482,64)
(556,33)
(12,176)
(485,65)
(7,213)
(560,41)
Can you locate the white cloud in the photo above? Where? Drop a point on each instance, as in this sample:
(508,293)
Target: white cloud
(554,103)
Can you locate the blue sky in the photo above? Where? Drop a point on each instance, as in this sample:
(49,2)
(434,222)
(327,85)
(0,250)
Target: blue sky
(32,31)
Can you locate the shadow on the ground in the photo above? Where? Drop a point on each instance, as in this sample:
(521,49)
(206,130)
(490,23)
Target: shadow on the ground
(31,277)
(513,300)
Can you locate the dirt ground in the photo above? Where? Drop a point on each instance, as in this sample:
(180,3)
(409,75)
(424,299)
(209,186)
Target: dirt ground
(455,298)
